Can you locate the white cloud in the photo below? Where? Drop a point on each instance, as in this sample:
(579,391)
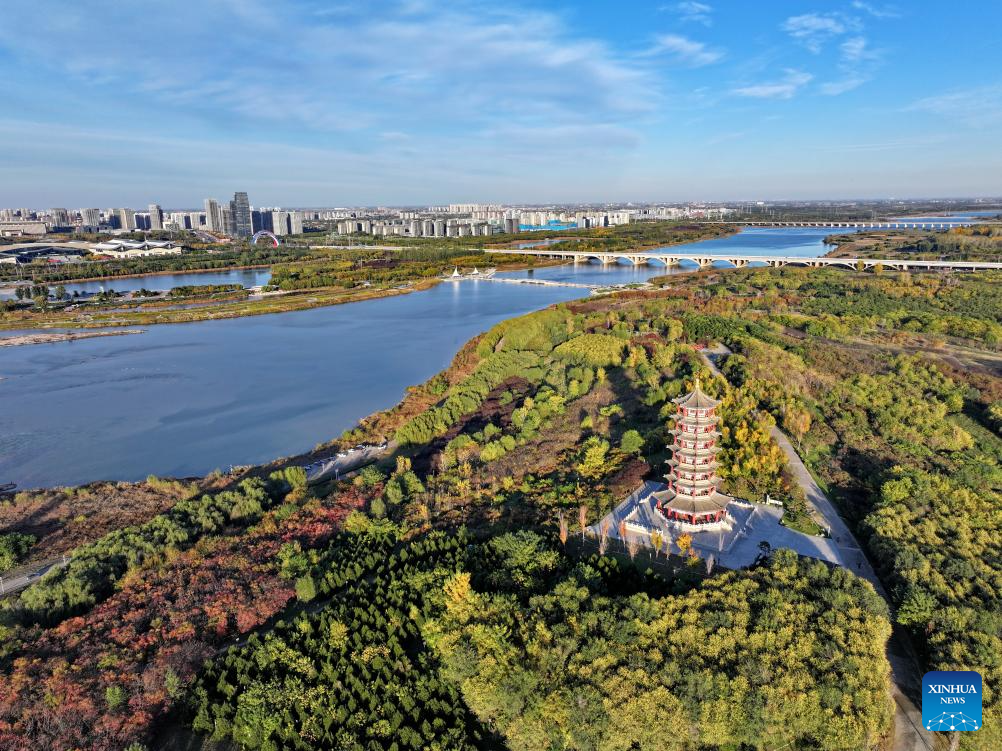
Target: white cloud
(856,49)
(784,88)
(386,67)
(814,29)
(695,12)
(834,88)
(977,107)
(688,51)
(885,12)
(856,62)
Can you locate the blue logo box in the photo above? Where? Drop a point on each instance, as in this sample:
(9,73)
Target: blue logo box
(951,700)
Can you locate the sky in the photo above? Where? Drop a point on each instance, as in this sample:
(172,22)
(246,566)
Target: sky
(309,103)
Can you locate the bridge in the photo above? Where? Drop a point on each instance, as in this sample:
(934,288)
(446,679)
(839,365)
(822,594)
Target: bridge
(706,260)
(895,224)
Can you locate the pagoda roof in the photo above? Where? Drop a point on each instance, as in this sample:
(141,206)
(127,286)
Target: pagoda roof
(709,504)
(696,399)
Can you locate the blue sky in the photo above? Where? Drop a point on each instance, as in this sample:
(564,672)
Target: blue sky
(310,103)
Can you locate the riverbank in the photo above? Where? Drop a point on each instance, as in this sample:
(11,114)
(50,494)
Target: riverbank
(11,284)
(152,311)
(50,338)
(254,305)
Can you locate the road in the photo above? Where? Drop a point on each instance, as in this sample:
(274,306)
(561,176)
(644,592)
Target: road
(909,735)
(23,581)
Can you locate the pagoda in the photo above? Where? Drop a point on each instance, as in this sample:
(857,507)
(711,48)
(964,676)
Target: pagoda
(692,497)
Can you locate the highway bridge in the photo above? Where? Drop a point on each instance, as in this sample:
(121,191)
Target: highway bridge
(887,224)
(706,260)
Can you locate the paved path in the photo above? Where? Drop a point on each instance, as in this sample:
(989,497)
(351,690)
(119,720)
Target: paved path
(23,581)
(332,468)
(909,735)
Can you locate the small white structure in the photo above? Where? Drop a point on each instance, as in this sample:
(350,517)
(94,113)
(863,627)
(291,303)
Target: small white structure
(133,249)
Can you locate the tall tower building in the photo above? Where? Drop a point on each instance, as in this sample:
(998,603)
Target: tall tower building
(156,216)
(90,217)
(295,222)
(126,218)
(243,225)
(280,222)
(213,215)
(691,497)
(229,226)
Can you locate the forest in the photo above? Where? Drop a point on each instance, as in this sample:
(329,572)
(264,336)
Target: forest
(450,595)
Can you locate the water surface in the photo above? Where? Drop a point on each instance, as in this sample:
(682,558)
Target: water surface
(184,399)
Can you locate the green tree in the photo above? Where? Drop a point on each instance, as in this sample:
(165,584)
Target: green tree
(594,459)
(114,697)
(632,442)
(13,547)
(306,588)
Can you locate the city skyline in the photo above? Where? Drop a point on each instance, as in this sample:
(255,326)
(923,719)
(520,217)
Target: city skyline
(405,103)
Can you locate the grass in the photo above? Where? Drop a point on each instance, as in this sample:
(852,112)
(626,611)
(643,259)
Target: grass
(803,524)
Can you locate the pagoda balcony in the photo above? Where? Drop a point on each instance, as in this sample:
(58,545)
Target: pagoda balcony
(689,492)
(683,431)
(696,479)
(698,414)
(679,424)
(693,445)
(695,465)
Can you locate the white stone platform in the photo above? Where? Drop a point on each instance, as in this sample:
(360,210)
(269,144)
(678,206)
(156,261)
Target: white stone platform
(734,543)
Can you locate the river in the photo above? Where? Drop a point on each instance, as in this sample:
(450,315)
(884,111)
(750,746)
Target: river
(161,282)
(184,399)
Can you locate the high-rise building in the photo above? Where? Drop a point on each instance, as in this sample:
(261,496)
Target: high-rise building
(126,218)
(280,222)
(156,216)
(229,226)
(243,226)
(295,222)
(90,217)
(213,215)
(60,217)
